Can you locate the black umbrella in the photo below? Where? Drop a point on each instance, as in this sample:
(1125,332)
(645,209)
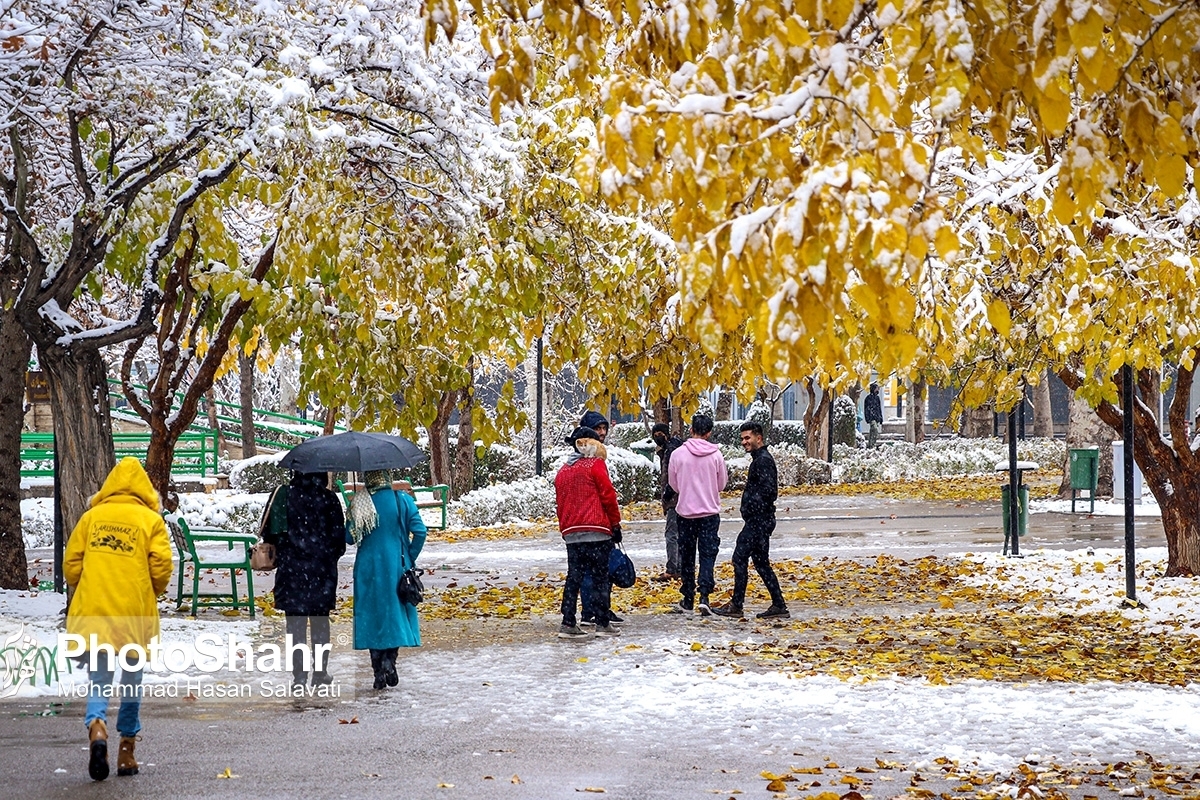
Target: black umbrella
(353,452)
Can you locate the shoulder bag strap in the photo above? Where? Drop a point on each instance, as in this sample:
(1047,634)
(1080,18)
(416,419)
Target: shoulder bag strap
(403,532)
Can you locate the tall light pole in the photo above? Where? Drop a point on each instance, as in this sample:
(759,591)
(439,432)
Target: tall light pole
(537,422)
(1127,400)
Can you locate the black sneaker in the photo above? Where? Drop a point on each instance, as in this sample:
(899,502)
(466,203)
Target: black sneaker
(682,607)
(614,618)
(728,610)
(775,612)
(703,607)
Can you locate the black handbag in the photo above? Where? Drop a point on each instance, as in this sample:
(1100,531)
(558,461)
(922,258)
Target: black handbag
(410,590)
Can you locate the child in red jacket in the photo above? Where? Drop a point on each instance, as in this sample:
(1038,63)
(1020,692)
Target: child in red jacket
(590,522)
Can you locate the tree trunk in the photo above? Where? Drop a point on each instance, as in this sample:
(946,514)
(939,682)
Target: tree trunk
(464,451)
(724,407)
(14,363)
(246,400)
(210,403)
(977,423)
(160,455)
(439,439)
(1085,429)
(1171,468)
(816,423)
(78,379)
(330,421)
(917,412)
(1043,416)
(662,410)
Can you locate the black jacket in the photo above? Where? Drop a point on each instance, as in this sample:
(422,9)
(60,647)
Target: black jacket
(668,495)
(762,488)
(307,554)
(873,409)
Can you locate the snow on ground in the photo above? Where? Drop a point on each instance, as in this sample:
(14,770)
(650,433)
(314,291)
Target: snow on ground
(1148,507)
(645,695)
(1093,580)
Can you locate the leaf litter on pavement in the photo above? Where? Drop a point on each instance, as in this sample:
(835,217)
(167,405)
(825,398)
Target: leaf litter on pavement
(947,779)
(942,620)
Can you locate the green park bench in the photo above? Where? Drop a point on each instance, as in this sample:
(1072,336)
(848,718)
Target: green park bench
(235,556)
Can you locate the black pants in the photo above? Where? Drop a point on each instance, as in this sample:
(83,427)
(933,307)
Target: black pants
(754,543)
(698,534)
(591,559)
(297,625)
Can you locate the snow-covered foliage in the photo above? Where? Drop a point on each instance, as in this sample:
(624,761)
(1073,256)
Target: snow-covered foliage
(37,521)
(760,412)
(634,476)
(938,458)
(845,420)
(259,474)
(235,511)
(529,499)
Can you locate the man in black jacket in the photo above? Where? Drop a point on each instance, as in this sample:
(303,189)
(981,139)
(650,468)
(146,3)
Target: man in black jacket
(758,522)
(666,444)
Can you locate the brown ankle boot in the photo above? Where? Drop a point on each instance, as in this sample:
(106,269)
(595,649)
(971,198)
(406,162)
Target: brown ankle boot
(126,763)
(98,750)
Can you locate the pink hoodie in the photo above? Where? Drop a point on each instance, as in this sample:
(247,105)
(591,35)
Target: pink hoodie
(697,471)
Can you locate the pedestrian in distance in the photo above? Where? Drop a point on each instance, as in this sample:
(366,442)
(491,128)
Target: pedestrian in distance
(758,523)
(697,472)
(304,521)
(589,520)
(118,560)
(873,413)
(666,444)
(595,421)
(389,532)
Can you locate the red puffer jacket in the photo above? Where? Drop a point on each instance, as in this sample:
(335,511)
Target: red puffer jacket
(585,497)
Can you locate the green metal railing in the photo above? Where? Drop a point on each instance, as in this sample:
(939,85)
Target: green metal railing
(195,453)
(271,428)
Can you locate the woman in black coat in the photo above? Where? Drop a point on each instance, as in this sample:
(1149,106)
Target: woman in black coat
(306,562)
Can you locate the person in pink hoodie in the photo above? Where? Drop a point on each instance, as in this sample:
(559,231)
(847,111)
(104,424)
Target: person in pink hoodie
(697,472)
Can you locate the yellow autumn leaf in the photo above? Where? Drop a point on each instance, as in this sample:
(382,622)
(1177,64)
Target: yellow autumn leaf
(999,317)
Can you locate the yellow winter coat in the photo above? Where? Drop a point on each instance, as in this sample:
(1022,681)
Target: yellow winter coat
(119,561)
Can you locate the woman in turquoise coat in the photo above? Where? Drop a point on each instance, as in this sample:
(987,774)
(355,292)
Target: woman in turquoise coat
(389,532)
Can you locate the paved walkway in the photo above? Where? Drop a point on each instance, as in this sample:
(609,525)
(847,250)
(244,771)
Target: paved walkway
(494,708)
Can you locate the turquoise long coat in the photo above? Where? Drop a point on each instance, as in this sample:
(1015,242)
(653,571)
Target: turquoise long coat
(381,621)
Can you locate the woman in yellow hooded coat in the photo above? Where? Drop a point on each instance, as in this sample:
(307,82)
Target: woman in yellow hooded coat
(118,560)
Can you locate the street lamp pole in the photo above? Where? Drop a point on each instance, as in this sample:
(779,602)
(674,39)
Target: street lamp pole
(1127,400)
(537,450)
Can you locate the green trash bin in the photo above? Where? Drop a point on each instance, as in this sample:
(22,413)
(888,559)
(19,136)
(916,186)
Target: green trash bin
(1085,473)
(1023,521)
(647,450)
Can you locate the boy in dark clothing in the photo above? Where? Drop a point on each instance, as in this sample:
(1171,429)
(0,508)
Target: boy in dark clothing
(758,522)
(666,443)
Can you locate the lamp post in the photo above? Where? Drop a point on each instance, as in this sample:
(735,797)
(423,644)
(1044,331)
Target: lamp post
(537,449)
(1127,400)
(1014,486)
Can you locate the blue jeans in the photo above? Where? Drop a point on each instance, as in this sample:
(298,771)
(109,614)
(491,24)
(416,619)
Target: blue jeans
(128,719)
(698,534)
